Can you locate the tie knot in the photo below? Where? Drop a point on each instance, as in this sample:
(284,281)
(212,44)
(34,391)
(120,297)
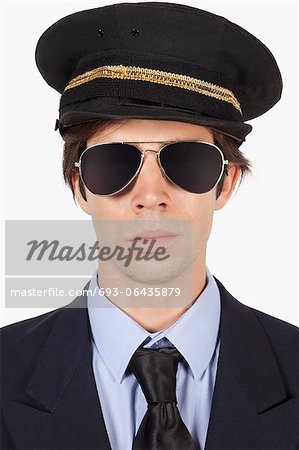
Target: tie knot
(155,370)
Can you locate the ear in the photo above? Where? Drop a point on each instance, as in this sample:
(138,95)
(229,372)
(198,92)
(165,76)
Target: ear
(82,202)
(229,184)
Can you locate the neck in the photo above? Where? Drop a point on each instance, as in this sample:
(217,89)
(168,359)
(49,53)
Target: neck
(159,318)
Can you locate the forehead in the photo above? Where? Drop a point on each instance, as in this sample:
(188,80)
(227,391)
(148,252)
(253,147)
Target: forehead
(135,130)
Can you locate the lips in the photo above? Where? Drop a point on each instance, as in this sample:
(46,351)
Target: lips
(154,234)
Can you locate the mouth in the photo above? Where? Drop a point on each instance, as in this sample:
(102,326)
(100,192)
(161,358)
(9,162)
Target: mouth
(151,240)
(158,234)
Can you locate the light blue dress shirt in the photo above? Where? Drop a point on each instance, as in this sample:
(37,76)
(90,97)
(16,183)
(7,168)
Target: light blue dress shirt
(116,336)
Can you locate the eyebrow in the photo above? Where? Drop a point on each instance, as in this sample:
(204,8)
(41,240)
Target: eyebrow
(149,142)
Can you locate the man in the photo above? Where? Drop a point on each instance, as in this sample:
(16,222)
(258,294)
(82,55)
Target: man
(153,108)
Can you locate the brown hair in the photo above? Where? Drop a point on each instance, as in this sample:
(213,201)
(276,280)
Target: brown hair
(75,142)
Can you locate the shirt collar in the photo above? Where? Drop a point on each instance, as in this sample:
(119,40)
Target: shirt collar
(116,335)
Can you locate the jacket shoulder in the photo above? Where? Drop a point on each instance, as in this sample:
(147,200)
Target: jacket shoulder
(283,338)
(277,328)
(38,325)
(21,343)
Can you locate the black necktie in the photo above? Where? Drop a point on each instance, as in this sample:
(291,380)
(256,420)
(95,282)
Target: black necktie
(162,427)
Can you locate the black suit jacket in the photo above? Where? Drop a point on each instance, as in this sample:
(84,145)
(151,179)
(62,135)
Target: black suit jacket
(50,400)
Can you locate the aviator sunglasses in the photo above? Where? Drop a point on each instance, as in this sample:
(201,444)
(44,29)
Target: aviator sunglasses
(108,168)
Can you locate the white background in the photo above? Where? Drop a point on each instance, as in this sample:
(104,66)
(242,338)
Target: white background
(254,244)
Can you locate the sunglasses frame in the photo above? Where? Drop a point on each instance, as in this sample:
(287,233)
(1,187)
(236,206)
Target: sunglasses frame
(167,143)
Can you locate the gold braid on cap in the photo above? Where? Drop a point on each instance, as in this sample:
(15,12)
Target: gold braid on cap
(160,77)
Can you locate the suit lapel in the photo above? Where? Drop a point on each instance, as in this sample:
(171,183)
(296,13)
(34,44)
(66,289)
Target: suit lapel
(61,408)
(248,381)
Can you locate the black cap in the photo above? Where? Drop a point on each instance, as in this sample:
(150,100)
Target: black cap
(157,60)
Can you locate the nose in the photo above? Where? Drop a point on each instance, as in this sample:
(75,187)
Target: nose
(149,190)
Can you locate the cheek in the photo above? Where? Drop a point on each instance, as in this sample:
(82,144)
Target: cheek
(201,212)
(196,206)
(105,208)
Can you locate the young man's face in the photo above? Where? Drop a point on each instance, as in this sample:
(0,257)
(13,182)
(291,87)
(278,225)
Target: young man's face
(150,196)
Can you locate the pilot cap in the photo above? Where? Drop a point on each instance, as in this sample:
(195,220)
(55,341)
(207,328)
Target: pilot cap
(157,60)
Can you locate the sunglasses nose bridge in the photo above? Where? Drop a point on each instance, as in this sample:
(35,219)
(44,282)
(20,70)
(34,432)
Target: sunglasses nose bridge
(158,158)
(151,150)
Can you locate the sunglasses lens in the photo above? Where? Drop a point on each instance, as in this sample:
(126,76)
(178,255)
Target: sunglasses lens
(107,168)
(194,166)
